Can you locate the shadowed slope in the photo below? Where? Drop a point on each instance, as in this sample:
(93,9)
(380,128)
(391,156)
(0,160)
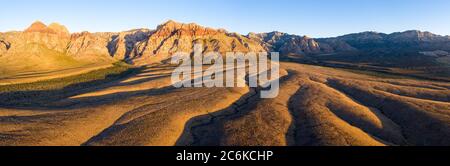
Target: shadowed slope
(323,113)
(316,106)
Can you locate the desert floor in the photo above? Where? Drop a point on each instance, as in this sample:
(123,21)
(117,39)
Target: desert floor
(315,106)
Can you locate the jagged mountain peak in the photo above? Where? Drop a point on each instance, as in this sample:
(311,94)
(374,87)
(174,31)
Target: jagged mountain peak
(53,28)
(168,24)
(37,26)
(176,24)
(269,37)
(274,33)
(170,21)
(171,26)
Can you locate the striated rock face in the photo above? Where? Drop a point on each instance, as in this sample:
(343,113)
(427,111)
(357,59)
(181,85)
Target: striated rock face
(118,46)
(290,44)
(126,45)
(3,48)
(153,46)
(4,45)
(334,45)
(90,46)
(149,46)
(172,37)
(301,45)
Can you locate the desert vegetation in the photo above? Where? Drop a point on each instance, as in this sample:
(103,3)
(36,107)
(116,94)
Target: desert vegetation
(22,94)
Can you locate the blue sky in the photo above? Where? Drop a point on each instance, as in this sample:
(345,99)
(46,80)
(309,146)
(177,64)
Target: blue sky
(315,18)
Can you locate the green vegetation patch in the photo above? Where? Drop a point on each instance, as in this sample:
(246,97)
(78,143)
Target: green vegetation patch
(27,94)
(377,74)
(109,73)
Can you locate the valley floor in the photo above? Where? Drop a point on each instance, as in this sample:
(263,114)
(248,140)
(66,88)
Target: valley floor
(31,76)
(316,106)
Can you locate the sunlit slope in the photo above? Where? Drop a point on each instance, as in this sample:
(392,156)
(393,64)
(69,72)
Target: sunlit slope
(40,63)
(315,106)
(324,106)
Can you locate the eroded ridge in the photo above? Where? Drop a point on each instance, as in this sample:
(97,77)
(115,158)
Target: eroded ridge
(324,106)
(315,106)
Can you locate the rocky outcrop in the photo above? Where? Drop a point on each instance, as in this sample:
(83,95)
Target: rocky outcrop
(301,45)
(125,45)
(4,45)
(172,37)
(352,42)
(92,46)
(334,45)
(290,44)
(118,46)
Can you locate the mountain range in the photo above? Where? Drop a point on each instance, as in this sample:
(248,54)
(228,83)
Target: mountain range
(53,46)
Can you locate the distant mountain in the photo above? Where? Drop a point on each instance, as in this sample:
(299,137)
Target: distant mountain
(415,40)
(401,49)
(288,44)
(365,41)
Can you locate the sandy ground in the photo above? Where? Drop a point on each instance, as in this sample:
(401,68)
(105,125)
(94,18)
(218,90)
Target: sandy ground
(316,106)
